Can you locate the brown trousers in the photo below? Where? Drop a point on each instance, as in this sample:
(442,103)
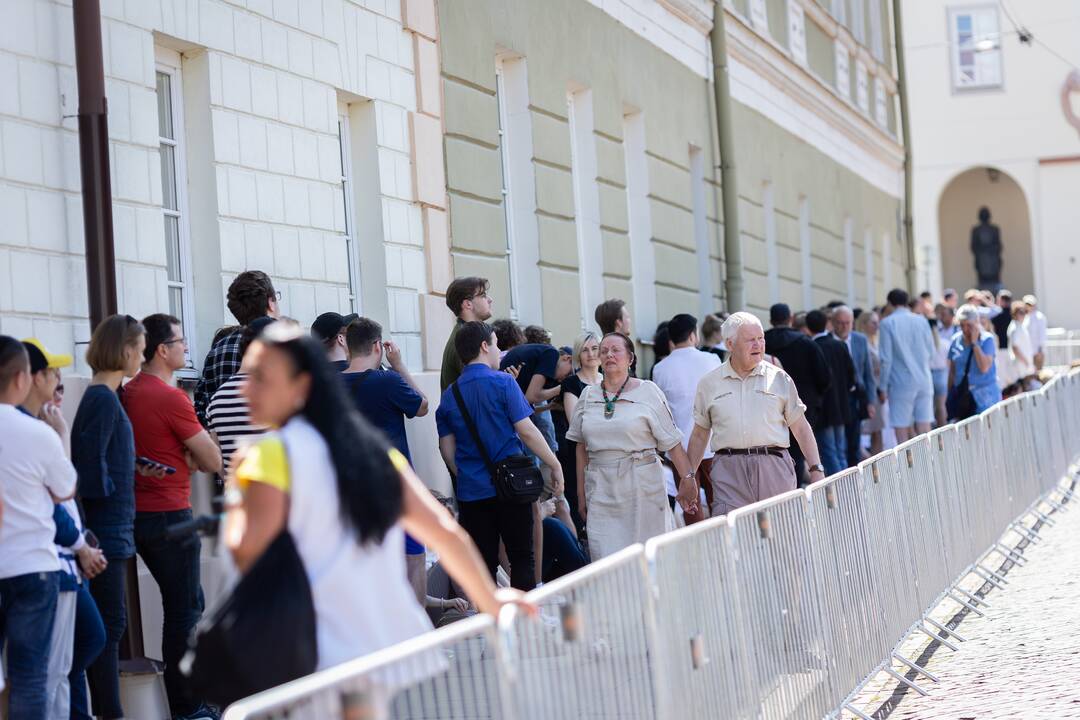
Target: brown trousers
(739,480)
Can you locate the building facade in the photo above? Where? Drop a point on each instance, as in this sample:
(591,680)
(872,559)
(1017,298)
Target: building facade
(365,152)
(994,124)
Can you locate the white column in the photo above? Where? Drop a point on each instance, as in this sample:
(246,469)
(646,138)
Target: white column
(849,260)
(804,252)
(519,190)
(772,256)
(868,253)
(642,259)
(701,232)
(586,203)
(886,262)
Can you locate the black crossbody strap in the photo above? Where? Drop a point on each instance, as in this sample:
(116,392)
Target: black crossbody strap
(472,429)
(967,365)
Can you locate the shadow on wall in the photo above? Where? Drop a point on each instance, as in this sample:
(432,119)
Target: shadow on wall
(958,211)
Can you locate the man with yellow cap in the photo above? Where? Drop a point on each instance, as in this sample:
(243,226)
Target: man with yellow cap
(78,560)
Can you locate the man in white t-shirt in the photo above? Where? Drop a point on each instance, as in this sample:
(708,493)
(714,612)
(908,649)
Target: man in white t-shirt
(677,375)
(34,475)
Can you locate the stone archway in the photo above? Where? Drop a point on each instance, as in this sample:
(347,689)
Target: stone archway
(958,209)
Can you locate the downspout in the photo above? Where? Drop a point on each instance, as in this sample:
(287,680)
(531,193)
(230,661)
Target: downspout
(98,234)
(901,77)
(94,162)
(733,266)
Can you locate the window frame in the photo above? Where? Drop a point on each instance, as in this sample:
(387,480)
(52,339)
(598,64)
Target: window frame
(169,63)
(952,16)
(352,247)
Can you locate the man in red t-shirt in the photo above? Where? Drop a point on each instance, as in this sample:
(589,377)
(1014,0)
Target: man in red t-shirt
(167,432)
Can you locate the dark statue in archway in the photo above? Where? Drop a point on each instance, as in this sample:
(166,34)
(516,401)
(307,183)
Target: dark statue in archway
(986,247)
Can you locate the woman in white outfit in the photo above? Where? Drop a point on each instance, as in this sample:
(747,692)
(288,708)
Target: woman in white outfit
(621,426)
(345,496)
(1021,349)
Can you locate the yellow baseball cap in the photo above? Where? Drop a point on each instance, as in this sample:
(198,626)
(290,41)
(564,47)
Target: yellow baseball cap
(43,358)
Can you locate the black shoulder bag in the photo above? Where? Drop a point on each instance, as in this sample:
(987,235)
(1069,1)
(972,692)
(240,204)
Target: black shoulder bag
(516,478)
(259,636)
(960,403)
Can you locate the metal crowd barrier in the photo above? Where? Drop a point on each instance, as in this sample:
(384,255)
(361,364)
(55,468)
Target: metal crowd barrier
(784,608)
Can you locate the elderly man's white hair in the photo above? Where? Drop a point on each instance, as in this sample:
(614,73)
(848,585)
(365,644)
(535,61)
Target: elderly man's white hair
(967,312)
(730,329)
(842,309)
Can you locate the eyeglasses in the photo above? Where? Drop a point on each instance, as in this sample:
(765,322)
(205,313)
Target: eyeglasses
(481,295)
(276,295)
(175,340)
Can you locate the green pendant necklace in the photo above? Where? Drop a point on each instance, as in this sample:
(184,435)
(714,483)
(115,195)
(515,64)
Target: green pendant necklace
(609,403)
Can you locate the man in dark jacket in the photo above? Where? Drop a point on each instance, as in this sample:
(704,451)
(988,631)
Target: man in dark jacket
(836,404)
(804,362)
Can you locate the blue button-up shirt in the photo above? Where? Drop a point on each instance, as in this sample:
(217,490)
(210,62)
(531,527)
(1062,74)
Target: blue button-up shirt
(495,403)
(983,385)
(907,346)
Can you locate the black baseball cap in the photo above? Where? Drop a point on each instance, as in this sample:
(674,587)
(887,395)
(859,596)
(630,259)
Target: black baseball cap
(329,324)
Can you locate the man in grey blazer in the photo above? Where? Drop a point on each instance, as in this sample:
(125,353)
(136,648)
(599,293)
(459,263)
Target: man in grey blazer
(862,398)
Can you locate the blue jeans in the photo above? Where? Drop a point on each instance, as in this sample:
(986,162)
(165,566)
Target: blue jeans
(832,445)
(89,642)
(546,426)
(27,614)
(107,591)
(174,564)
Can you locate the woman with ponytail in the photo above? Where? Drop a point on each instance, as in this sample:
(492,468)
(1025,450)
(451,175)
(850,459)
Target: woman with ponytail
(346,496)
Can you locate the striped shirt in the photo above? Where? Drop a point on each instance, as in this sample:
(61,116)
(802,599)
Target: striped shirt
(227,417)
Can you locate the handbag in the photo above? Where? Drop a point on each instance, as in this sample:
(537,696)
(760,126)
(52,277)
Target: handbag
(960,402)
(259,636)
(516,478)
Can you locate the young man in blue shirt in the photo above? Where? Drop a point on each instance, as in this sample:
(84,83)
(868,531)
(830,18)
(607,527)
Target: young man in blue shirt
(385,398)
(502,417)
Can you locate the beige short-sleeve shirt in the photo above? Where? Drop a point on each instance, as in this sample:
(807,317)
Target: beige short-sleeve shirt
(751,412)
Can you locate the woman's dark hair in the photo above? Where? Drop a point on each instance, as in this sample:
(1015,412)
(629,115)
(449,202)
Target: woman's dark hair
(369,488)
(251,331)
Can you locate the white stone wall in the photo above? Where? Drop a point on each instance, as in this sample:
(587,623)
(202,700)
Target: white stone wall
(274,73)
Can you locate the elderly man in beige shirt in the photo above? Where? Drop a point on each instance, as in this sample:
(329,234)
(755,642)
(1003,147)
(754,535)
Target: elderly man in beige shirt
(746,407)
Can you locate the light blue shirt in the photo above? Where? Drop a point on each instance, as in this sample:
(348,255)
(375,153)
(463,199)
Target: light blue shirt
(907,347)
(983,385)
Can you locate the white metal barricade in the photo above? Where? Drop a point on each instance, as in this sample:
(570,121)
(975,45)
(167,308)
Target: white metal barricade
(782,609)
(779,600)
(700,638)
(588,654)
(850,606)
(452,673)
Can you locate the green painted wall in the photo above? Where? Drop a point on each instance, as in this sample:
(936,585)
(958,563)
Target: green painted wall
(570,43)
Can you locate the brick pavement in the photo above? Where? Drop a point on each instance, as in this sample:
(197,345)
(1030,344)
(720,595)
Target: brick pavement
(1022,660)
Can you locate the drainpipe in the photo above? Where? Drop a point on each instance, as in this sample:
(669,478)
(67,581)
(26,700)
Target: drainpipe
(905,114)
(94,162)
(733,266)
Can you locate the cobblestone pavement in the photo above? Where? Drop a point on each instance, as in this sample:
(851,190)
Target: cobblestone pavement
(1022,660)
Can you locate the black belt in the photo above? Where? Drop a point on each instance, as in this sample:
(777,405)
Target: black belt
(760,450)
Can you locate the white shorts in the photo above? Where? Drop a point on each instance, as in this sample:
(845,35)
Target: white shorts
(910,406)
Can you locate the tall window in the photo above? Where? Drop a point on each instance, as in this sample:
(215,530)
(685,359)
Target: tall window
(976,47)
(350,225)
(174,198)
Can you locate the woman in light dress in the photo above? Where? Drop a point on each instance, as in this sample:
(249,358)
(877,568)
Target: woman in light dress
(621,426)
(1021,349)
(868,323)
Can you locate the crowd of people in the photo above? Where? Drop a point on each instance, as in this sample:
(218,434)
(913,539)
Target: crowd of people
(304,431)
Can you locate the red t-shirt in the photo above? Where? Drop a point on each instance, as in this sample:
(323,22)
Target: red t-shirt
(162,418)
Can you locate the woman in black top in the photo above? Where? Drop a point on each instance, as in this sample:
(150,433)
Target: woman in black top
(587,366)
(103,453)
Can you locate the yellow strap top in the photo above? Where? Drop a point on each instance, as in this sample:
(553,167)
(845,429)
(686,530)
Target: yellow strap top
(266,462)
